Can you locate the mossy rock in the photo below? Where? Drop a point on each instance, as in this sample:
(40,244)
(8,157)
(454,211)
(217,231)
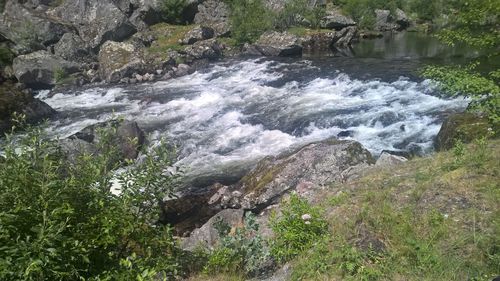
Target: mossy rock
(464,127)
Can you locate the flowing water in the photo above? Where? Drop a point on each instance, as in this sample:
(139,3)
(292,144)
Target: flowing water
(226,117)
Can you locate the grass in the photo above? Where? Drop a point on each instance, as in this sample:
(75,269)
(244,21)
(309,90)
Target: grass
(168,38)
(420,221)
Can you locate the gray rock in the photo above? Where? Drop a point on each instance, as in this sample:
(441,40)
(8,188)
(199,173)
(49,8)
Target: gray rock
(273,43)
(402,19)
(96,20)
(387,159)
(127,135)
(118,60)
(207,236)
(335,20)
(198,33)
(12,99)
(212,11)
(38,70)
(28,30)
(149,12)
(71,47)
(316,164)
(465,127)
(345,36)
(182,70)
(207,49)
(383,21)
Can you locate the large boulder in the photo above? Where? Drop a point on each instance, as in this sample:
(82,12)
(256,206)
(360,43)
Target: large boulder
(335,20)
(149,12)
(14,100)
(118,60)
(384,21)
(71,47)
(345,36)
(464,127)
(402,19)
(273,43)
(39,70)
(29,30)
(198,33)
(312,166)
(321,40)
(96,20)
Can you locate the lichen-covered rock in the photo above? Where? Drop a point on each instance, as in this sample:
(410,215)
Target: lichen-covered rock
(29,30)
(465,127)
(383,20)
(207,235)
(335,20)
(318,164)
(39,70)
(96,20)
(198,33)
(212,11)
(14,100)
(71,47)
(387,159)
(118,60)
(207,49)
(273,43)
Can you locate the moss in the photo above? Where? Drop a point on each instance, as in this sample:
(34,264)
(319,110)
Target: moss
(265,173)
(464,127)
(168,37)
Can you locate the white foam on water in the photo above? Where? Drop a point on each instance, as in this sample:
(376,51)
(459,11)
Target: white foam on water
(232,115)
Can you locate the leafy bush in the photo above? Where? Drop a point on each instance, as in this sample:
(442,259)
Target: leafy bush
(296,228)
(249,19)
(60,220)
(173,10)
(484,91)
(241,251)
(6,55)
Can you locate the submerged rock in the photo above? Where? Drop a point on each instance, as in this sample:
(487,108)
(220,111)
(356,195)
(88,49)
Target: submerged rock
(40,70)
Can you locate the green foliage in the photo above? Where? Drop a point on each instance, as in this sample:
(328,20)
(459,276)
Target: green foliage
(60,220)
(243,251)
(484,91)
(60,75)
(296,228)
(173,10)
(6,56)
(249,19)
(426,10)
(299,12)
(363,11)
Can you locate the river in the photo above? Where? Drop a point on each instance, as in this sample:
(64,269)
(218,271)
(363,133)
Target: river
(227,116)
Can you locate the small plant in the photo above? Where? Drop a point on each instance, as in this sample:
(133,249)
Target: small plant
(173,10)
(241,251)
(60,75)
(249,19)
(296,228)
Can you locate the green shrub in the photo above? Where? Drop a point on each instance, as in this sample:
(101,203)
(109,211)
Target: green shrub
(298,12)
(296,228)
(59,219)
(173,10)
(6,56)
(241,252)
(249,19)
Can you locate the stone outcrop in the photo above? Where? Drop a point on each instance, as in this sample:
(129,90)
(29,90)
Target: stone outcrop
(215,14)
(322,41)
(206,49)
(283,44)
(71,47)
(29,30)
(39,70)
(96,20)
(13,100)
